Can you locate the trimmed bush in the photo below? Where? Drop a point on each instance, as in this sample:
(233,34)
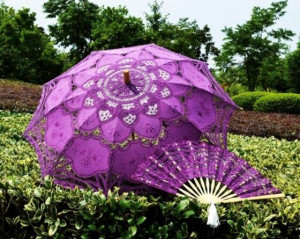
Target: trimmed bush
(247,100)
(281,126)
(279,103)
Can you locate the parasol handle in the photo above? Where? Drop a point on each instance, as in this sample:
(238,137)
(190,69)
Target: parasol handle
(126,77)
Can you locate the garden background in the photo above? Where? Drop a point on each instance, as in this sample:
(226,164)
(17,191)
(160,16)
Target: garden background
(254,65)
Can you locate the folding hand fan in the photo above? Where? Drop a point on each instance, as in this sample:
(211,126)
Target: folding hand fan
(204,172)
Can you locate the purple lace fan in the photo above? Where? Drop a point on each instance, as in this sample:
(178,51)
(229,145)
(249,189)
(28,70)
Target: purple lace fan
(204,172)
(92,127)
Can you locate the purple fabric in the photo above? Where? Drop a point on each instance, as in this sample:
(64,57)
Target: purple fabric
(170,98)
(173,165)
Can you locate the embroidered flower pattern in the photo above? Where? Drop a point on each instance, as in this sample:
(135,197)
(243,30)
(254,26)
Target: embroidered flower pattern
(89,102)
(89,84)
(129,119)
(152,110)
(104,115)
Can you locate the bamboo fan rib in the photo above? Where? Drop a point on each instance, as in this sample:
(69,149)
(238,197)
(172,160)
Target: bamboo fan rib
(215,192)
(204,172)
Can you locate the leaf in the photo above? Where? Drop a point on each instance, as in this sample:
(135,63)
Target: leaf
(182,205)
(92,227)
(132,230)
(260,230)
(37,192)
(268,218)
(78,225)
(231,224)
(141,220)
(48,201)
(188,213)
(52,229)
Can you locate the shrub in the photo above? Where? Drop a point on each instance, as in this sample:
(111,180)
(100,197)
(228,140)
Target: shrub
(31,208)
(19,96)
(247,100)
(280,103)
(281,126)
(236,89)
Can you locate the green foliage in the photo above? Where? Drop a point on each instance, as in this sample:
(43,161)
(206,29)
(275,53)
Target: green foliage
(114,28)
(255,41)
(31,208)
(185,37)
(231,77)
(247,100)
(74,24)
(26,52)
(293,63)
(280,103)
(236,89)
(84,26)
(273,74)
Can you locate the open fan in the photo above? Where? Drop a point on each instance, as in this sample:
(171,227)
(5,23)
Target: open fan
(204,172)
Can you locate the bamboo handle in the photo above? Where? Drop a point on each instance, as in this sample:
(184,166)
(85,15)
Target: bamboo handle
(280,195)
(126,77)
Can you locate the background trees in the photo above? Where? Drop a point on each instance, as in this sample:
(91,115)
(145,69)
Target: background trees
(293,66)
(254,54)
(26,52)
(115,28)
(255,44)
(73,27)
(83,26)
(185,37)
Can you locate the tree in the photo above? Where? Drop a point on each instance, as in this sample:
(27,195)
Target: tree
(272,74)
(73,29)
(26,52)
(255,41)
(185,37)
(114,28)
(293,68)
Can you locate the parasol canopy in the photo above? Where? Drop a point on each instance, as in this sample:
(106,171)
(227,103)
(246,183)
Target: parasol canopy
(98,121)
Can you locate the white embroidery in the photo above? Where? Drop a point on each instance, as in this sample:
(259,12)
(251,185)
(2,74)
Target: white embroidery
(126,60)
(165,92)
(102,68)
(100,95)
(152,75)
(152,110)
(89,102)
(125,66)
(143,68)
(112,104)
(104,115)
(144,100)
(88,84)
(128,106)
(100,82)
(163,74)
(149,63)
(153,89)
(109,72)
(129,119)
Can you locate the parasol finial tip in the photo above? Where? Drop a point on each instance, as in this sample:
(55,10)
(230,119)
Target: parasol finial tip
(126,77)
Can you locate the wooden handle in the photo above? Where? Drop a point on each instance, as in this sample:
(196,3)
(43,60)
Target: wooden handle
(126,77)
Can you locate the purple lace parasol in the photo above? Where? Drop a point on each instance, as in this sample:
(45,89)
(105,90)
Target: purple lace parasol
(92,128)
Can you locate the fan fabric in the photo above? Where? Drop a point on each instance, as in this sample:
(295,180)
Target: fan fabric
(174,166)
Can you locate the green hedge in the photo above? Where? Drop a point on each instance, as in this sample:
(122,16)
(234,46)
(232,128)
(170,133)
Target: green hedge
(247,100)
(280,103)
(31,208)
